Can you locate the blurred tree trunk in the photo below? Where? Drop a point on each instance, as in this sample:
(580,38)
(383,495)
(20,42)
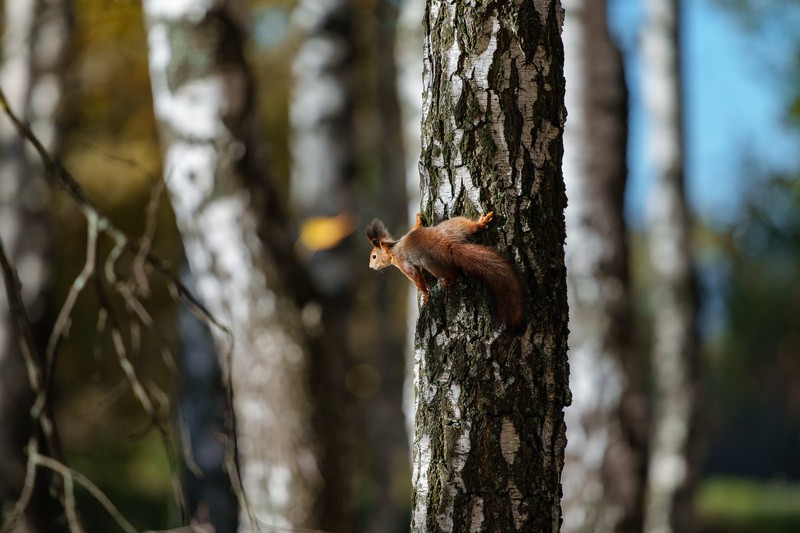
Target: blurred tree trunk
(604,468)
(205,411)
(229,219)
(489,435)
(386,438)
(410,36)
(35,51)
(322,185)
(674,446)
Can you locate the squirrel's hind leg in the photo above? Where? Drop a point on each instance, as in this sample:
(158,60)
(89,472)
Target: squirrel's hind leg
(417,223)
(485,220)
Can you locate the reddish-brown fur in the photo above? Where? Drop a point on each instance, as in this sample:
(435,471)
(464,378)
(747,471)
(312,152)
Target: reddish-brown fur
(444,251)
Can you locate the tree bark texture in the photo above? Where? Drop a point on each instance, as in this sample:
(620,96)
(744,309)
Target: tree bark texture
(674,444)
(604,470)
(35,51)
(215,171)
(489,432)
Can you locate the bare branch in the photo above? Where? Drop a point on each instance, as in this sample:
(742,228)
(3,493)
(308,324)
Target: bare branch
(61,325)
(72,475)
(10,520)
(40,411)
(99,224)
(76,192)
(26,343)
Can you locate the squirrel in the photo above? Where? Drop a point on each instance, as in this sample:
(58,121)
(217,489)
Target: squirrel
(444,252)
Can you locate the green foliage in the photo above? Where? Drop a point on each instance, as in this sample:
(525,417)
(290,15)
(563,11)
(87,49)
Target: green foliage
(732,505)
(759,352)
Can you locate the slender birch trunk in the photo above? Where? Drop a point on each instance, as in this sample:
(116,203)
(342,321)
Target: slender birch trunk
(215,170)
(489,433)
(673,460)
(35,51)
(606,433)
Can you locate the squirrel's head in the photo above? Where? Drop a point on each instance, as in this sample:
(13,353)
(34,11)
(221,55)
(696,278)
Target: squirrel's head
(382,243)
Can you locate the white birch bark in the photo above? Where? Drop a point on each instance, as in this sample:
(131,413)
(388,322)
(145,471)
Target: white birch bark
(35,45)
(203,102)
(489,431)
(603,470)
(673,447)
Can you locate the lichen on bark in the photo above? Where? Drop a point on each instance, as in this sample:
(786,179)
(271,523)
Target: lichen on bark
(489,426)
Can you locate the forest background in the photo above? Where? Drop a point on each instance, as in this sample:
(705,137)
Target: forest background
(742,109)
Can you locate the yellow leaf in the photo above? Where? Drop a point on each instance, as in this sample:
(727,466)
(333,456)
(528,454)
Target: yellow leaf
(324,233)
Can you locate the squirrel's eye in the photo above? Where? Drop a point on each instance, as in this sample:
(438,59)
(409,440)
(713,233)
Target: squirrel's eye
(374,256)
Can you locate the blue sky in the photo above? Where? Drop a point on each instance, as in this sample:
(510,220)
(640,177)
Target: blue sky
(734,100)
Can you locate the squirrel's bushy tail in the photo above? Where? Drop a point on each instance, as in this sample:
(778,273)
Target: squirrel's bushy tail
(489,266)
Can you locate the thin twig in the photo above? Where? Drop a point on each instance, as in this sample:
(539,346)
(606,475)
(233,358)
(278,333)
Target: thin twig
(75,191)
(16,513)
(39,411)
(69,506)
(138,269)
(26,343)
(64,316)
(144,400)
(83,481)
(138,249)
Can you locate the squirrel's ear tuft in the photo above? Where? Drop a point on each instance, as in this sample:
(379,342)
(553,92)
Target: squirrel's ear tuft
(377,232)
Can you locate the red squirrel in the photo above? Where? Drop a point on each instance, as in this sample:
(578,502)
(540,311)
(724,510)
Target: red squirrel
(444,252)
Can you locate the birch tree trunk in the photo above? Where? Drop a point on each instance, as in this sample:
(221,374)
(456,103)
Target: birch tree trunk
(606,433)
(489,432)
(215,169)
(35,51)
(674,448)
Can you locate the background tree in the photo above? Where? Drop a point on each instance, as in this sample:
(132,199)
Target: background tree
(674,455)
(323,197)
(203,417)
(230,223)
(36,43)
(384,478)
(410,38)
(489,433)
(746,255)
(606,428)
